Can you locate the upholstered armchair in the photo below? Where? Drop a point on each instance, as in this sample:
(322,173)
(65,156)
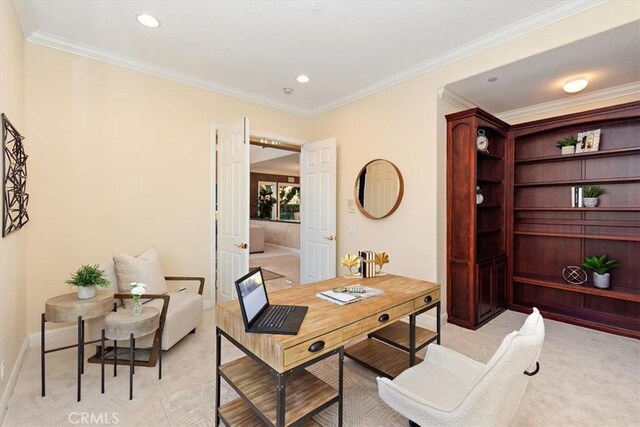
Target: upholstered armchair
(181,308)
(448,388)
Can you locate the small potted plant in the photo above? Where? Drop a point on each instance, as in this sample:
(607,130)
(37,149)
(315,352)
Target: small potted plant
(600,267)
(137,290)
(567,145)
(86,278)
(590,195)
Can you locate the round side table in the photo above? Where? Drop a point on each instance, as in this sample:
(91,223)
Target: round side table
(121,325)
(69,308)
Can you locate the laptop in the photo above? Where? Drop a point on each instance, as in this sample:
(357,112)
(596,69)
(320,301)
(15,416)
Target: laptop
(261,317)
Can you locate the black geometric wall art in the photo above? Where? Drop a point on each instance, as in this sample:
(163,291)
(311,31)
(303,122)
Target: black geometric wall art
(14,171)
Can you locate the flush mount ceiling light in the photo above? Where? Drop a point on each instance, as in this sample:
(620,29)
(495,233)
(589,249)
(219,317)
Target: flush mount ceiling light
(302,79)
(575,85)
(287,90)
(148,20)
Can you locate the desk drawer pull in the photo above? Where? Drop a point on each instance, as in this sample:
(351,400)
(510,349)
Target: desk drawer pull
(428,298)
(316,346)
(383,318)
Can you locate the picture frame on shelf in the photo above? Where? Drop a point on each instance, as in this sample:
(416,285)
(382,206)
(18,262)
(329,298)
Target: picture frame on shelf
(588,141)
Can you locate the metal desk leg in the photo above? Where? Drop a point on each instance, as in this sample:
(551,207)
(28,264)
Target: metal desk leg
(340,385)
(281,382)
(42,322)
(412,340)
(438,321)
(80,345)
(216,418)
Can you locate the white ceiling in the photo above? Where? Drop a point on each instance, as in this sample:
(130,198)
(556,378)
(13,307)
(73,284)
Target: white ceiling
(253,49)
(273,161)
(608,60)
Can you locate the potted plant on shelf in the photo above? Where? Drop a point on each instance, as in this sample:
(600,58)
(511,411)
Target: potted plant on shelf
(590,195)
(600,267)
(567,145)
(86,278)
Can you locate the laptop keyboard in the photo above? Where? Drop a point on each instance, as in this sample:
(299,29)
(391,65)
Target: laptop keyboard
(276,316)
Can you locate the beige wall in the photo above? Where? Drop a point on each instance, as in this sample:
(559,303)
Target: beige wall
(120,161)
(405,124)
(12,247)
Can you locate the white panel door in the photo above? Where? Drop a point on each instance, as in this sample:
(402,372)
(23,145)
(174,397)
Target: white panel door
(233,206)
(318,164)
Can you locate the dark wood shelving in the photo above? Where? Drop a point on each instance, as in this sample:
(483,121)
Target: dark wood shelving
(578,156)
(489,155)
(602,209)
(487,206)
(579,236)
(617,292)
(489,230)
(489,180)
(580,181)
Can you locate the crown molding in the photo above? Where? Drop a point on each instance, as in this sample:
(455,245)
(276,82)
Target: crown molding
(517,29)
(455,99)
(537,21)
(70,46)
(574,101)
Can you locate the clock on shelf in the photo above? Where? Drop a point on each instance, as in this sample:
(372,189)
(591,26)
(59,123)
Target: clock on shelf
(482,142)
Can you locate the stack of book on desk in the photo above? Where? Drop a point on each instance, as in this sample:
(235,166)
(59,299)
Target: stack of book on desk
(344,298)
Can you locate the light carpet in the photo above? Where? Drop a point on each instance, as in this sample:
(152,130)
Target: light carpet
(587,378)
(270,275)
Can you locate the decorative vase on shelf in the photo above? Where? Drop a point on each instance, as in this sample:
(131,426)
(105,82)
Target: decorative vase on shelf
(86,292)
(590,202)
(136,308)
(601,280)
(568,149)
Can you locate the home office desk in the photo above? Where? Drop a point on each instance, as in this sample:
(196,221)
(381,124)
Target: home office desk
(275,364)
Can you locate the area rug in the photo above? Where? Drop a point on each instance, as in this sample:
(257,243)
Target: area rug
(362,407)
(270,275)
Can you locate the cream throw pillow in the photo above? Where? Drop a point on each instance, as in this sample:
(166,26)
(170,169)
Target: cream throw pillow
(143,268)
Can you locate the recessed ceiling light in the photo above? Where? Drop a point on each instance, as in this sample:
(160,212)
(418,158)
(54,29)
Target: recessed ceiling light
(148,20)
(492,79)
(302,79)
(575,85)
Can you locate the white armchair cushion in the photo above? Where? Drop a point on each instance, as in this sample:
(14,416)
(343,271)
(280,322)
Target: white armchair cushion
(143,268)
(184,314)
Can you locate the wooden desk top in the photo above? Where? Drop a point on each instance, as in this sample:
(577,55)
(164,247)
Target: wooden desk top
(325,320)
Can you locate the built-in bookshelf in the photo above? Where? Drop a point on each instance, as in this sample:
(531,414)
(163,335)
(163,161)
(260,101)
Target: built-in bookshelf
(549,234)
(527,231)
(476,257)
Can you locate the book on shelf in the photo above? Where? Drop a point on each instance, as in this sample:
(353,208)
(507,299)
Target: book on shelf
(576,197)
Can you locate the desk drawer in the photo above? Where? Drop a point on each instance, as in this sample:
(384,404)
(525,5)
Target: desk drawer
(426,300)
(312,348)
(378,320)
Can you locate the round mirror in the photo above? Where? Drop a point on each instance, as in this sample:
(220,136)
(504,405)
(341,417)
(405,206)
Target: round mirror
(378,189)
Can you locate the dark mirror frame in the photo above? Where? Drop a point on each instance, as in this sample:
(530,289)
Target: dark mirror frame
(356,188)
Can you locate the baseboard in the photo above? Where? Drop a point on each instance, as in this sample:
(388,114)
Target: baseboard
(58,337)
(13,379)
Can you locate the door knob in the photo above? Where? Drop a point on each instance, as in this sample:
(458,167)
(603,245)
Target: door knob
(242,245)
(330,237)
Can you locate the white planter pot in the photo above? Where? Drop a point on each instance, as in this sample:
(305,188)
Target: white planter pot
(569,149)
(601,280)
(86,292)
(590,202)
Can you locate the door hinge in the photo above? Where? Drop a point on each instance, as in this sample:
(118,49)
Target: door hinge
(217,216)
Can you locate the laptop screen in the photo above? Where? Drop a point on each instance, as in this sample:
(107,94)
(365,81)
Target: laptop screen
(252,294)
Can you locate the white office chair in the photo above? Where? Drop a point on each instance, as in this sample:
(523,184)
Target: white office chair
(448,388)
